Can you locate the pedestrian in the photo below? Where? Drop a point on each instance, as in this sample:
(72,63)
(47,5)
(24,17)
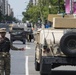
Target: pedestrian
(29,25)
(47,24)
(5,46)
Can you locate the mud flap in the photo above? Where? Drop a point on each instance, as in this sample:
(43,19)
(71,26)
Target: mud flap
(45,68)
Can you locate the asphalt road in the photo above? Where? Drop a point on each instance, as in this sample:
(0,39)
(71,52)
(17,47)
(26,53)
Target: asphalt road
(22,62)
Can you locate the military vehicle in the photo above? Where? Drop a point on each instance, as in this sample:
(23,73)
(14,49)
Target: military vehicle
(19,34)
(55,46)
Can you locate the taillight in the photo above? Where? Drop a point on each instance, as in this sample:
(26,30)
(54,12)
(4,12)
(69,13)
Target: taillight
(46,49)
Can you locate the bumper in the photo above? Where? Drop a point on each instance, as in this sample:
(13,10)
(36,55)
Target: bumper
(59,60)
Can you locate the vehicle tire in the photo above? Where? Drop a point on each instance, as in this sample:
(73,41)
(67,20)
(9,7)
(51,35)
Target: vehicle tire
(37,65)
(68,44)
(24,42)
(30,38)
(11,41)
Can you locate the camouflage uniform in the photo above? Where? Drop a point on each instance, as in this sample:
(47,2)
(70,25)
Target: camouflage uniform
(5,46)
(5,63)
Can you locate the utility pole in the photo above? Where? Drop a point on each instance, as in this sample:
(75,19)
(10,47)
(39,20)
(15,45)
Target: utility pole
(71,6)
(58,6)
(40,11)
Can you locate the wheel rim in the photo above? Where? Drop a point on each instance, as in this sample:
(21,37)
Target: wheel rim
(71,44)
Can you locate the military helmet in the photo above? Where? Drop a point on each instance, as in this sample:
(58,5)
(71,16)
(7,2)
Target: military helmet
(2,30)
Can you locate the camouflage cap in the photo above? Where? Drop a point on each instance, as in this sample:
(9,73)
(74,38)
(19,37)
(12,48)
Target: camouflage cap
(2,29)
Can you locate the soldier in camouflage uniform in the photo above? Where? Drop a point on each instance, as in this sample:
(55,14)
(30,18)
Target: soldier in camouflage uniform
(5,47)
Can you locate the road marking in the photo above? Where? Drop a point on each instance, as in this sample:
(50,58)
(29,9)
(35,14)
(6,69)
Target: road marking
(27,47)
(26,65)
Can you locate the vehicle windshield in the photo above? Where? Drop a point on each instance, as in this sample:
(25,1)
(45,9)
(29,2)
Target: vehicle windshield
(17,29)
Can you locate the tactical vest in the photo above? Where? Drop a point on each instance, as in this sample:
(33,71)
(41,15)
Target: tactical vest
(29,25)
(5,45)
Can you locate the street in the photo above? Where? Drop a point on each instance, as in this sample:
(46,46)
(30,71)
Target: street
(44,34)
(22,62)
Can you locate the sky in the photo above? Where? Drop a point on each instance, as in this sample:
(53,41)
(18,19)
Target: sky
(18,7)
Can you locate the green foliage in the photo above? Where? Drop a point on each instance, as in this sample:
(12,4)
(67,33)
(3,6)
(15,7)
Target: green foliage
(41,10)
(31,14)
(57,5)
(9,18)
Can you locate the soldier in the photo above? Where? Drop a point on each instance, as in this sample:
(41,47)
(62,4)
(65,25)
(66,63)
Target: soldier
(5,46)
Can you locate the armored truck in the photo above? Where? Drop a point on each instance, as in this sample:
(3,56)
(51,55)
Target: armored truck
(17,33)
(55,46)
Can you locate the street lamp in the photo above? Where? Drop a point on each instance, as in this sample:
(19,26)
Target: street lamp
(49,9)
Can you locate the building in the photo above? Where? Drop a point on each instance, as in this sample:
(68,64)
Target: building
(5,8)
(11,12)
(34,2)
(70,6)
(0,5)
(0,2)
(8,9)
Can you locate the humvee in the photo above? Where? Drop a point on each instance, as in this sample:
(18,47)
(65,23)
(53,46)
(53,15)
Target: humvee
(55,46)
(17,33)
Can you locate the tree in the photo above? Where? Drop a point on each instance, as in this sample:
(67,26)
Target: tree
(31,14)
(41,10)
(1,16)
(57,6)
